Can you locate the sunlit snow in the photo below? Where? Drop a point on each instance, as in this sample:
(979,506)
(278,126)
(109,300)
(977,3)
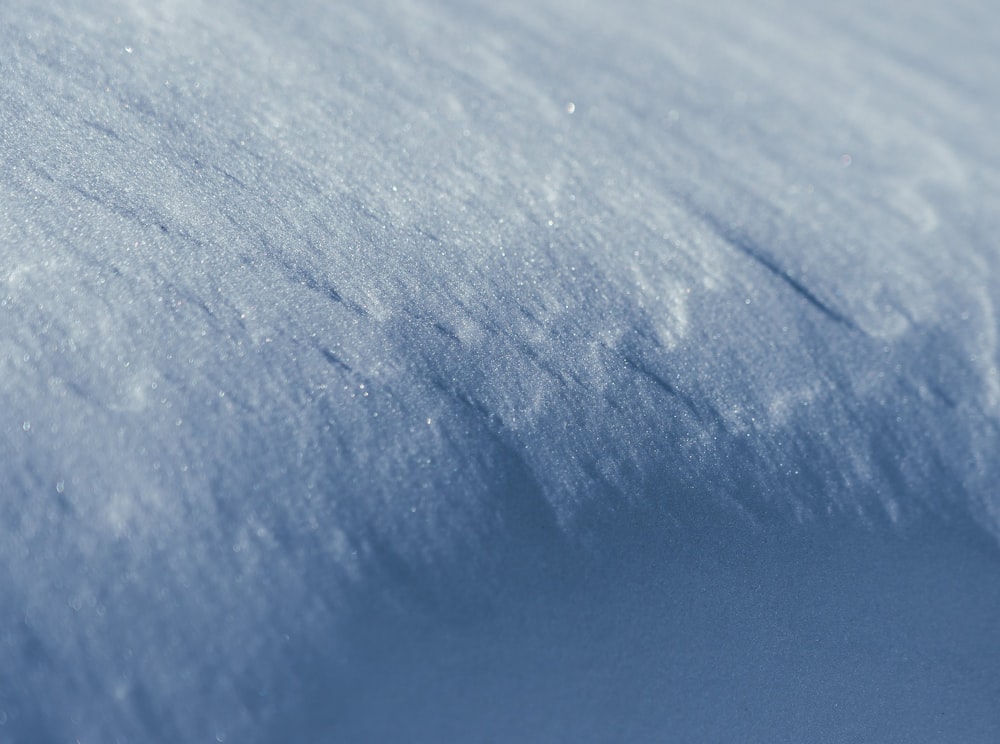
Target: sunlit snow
(537,371)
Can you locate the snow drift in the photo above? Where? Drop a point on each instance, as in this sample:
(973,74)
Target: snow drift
(540,371)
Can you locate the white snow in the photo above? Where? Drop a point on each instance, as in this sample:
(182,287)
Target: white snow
(536,371)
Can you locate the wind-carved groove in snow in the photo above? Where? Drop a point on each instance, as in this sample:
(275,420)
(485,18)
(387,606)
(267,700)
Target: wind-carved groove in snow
(335,360)
(309,278)
(745,245)
(641,368)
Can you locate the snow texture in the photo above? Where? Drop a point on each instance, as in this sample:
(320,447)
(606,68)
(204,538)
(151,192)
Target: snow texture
(532,371)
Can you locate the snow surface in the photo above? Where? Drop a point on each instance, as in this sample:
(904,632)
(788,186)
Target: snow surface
(535,371)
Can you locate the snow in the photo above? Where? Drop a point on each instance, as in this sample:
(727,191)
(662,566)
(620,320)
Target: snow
(543,371)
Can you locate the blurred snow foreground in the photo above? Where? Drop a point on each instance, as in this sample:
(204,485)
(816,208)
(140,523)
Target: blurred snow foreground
(534,371)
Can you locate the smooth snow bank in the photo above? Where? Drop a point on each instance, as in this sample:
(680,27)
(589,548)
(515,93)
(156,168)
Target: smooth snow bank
(315,315)
(821,638)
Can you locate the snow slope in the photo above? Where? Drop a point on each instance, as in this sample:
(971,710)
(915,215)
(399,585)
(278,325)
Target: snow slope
(540,371)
